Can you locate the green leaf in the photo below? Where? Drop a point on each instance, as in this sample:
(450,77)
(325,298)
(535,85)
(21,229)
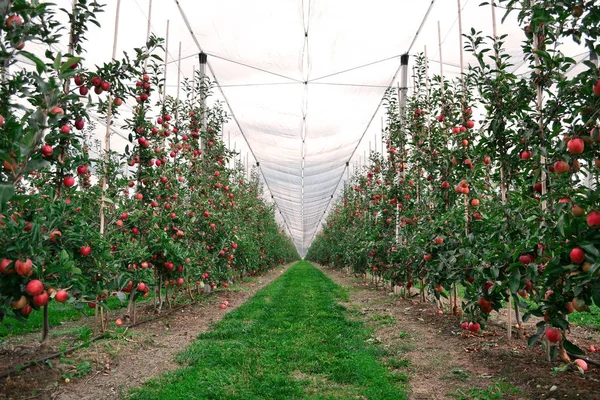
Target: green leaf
(596,293)
(67,64)
(572,348)
(590,248)
(6,193)
(76,271)
(515,280)
(534,339)
(39,64)
(560,323)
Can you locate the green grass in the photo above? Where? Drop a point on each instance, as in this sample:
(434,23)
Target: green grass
(290,341)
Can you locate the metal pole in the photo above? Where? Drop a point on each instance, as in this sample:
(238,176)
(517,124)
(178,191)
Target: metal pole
(404,82)
(203,61)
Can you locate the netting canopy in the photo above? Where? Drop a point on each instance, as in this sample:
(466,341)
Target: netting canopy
(303,81)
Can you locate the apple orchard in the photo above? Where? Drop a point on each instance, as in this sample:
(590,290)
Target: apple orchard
(505,206)
(489,184)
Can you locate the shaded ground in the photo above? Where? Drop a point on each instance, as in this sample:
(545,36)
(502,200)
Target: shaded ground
(109,367)
(443,360)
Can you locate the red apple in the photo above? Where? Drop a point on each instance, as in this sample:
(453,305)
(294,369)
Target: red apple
(69,181)
(525,155)
(561,167)
(47,151)
(65,129)
(553,335)
(581,364)
(223,306)
(596,88)
(474,327)
(24,268)
(25,311)
(4,264)
(34,287)
(82,170)
(465,325)
(577,255)
(575,146)
(119,322)
(41,299)
(61,296)
(79,124)
(593,219)
(85,251)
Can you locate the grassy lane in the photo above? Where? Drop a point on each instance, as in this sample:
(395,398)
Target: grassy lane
(290,341)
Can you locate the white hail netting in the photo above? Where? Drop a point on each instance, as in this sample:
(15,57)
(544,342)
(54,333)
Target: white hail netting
(302,134)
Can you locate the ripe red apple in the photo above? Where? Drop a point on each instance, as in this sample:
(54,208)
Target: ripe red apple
(474,327)
(66,129)
(575,146)
(487,160)
(57,111)
(61,296)
(561,167)
(465,325)
(427,257)
(141,287)
(85,251)
(79,124)
(596,88)
(581,364)
(1,121)
(119,322)
(470,124)
(82,169)
(180,281)
(223,306)
(69,181)
(105,86)
(206,214)
(553,335)
(25,311)
(41,299)
(117,101)
(525,155)
(439,240)
(593,219)
(475,202)
(55,235)
(47,150)
(487,286)
(84,90)
(445,185)
(4,264)
(24,268)
(577,255)
(13,21)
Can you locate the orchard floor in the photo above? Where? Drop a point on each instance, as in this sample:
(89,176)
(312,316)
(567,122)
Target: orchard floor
(108,368)
(445,362)
(303,337)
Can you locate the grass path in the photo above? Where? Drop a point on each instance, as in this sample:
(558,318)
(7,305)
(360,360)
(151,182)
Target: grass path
(290,341)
